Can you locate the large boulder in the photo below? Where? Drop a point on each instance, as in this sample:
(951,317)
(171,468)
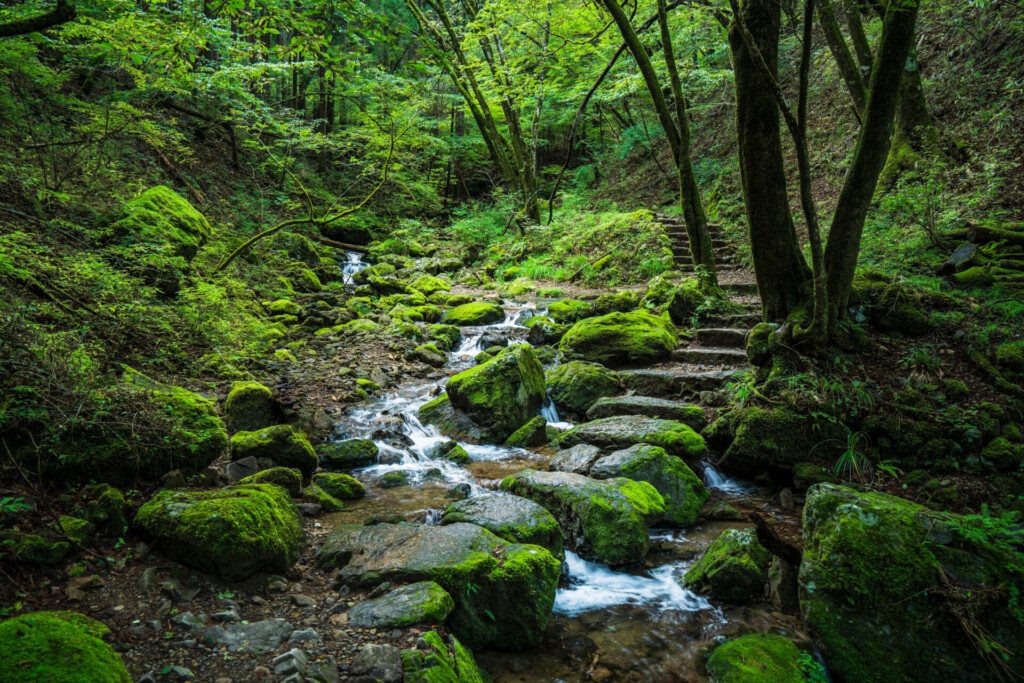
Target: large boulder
(758,658)
(885,576)
(576,385)
(452,422)
(58,647)
(161,216)
(440,660)
(623,431)
(683,491)
(515,519)
(734,567)
(603,520)
(423,602)
(283,444)
(350,454)
(475,313)
(250,406)
(688,413)
(544,330)
(232,532)
(568,311)
(503,591)
(779,438)
(619,339)
(577,459)
(501,394)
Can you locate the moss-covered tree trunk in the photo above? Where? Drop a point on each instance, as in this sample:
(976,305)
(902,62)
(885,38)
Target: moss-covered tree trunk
(848,67)
(779,266)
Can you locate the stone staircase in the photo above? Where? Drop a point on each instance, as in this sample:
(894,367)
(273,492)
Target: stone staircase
(725,250)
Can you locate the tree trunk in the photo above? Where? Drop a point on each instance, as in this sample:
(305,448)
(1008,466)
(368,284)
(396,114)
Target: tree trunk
(848,68)
(851,9)
(870,154)
(779,265)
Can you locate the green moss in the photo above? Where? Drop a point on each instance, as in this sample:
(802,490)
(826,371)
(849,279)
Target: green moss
(446,337)
(576,385)
(452,452)
(285,356)
(394,479)
(325,500)
(58,647)
(32,549)
(78,530)
(622,301)
(284,307)
(440,662)
(232,532)
(533,433)
(623,431)
(760,344)
(568,311)
(756,658)
(476,313)
(686,301)
(283,444)
(620,339)
(288,478)
(341,486)
(1011,355)
(104,506)
(162,216)
(249,406)
(734,567)
(781,437)
(360,325)
(347,455)
(428,284)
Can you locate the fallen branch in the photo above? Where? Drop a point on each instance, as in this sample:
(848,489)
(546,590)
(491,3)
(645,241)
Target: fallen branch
(62,13)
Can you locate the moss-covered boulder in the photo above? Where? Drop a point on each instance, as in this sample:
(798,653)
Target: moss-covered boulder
(106,508)
(501,394)
(423,602)
(683,491)
(886,576)
(232,532)
(1010,355)
(619,339)
(162,216)
(284,307)
(250,406)
(452,422)
(568,311)
(515,519)
(684,303)
(621,301)
(891,306)
(318,496)
(476,313)
(623,431)
(350,454)
(734,568)
(533,433)
(603,520)
(283,444)
(781,437)
(58,647)
(544,330)
(428,284)
(35,549)
(445,337)
(503,592)
(288,478)
(341,486)
(689,414)
(757,658)
(440,660)
(185,433)
(576,385)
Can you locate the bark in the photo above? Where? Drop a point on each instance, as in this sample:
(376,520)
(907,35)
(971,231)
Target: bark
(848,68)
(870,154)
(855,25)
(779,265)
(62,13)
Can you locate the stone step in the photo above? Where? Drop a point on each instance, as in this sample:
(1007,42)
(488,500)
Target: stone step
(721,337)
(741,287)
(675,382)
(712,356)
(687,267)
(681,239)
(738,320)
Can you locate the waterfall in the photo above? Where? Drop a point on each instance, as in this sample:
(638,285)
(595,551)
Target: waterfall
(353,264)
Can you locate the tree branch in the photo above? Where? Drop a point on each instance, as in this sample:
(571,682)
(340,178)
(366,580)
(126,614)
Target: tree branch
(62,13)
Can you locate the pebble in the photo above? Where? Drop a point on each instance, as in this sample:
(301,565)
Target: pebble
(303,635)
(300,600)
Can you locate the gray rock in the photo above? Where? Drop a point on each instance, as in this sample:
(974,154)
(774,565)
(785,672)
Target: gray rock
(240,469)
(188,620)
(294,661)
(378,663)
(577,459)
(666,409)
(256,637)
(623,431)
(424,602)
(303,635)
(961,257)
(305,601)
(515,519)
(178,592)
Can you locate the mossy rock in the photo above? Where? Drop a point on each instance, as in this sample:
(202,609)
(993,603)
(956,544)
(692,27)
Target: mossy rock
(392,480)
(604,521)
(531,434)
(689,414)
(756,658)
(429,354)
(618,339)
(106,507)
(288,478)
(686,300)
(445,337)
(284,307)
(326,501)
(250,406)
(780,437)
(568,311)
(1010,355)
(1003,455)
(423,602)
(76,529)
(162,216)
(884,575)
(683,491)
(515,519)
(34,549)
(360,325)
(623,431)
(760,344)
(807,474)
(659,293)
(428,284)
(191,436)
(297,247)
(503,592)
(232,532)
(544,330)
(58,647)
(283,444)
(733,568)
(577,385)
(440,661)
(451,422)
(891,306)
(476,313)
(350,454)
(341,486)
(501,394)
(622,301)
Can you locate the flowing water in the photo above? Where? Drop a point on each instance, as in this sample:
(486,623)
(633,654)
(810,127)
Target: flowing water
(607,624)
(353,264)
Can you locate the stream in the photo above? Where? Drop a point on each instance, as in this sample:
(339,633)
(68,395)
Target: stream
(607,624)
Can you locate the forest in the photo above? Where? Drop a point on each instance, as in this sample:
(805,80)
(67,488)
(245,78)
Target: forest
(466,341)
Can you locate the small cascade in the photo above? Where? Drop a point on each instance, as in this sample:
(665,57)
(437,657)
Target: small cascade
(433,517)
(714,479)
(550,413)
(353,264)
